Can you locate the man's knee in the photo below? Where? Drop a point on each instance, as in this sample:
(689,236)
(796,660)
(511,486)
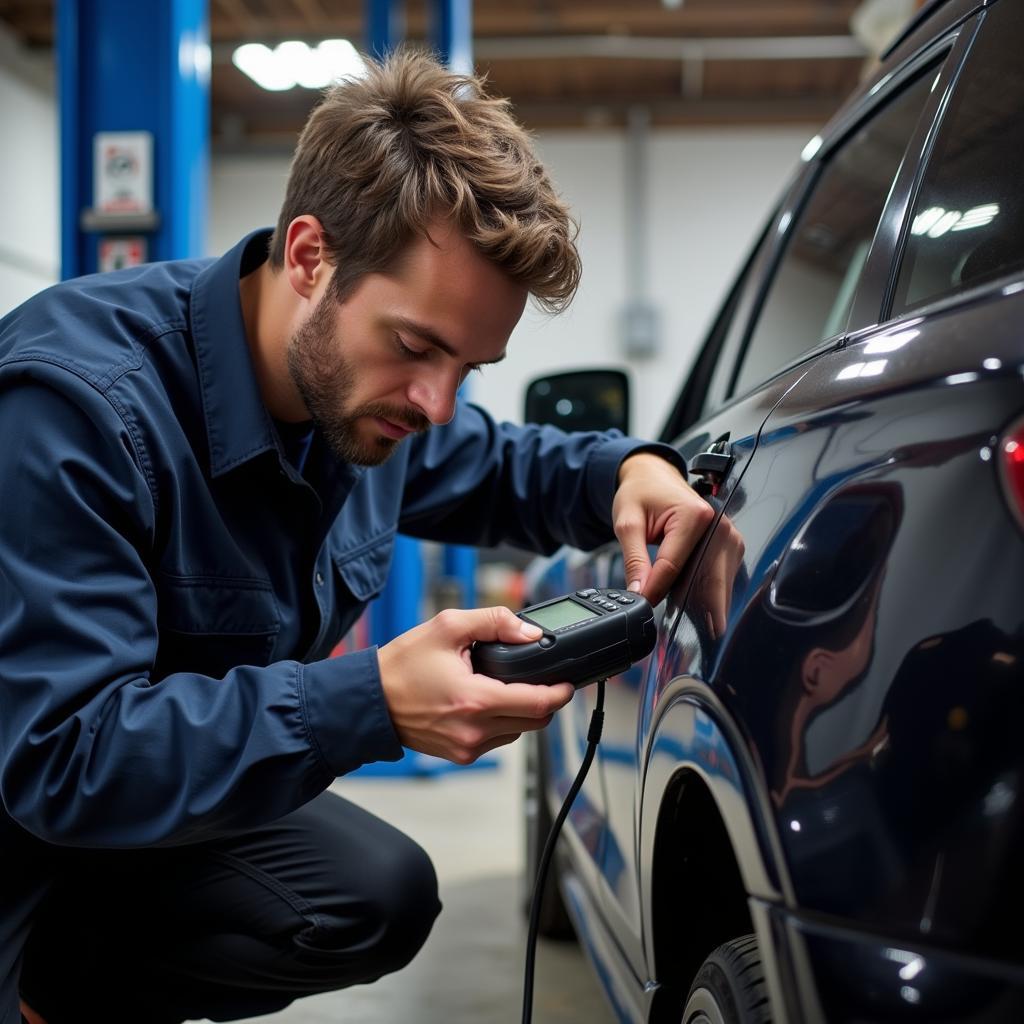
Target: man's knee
(384,919)
(403,899)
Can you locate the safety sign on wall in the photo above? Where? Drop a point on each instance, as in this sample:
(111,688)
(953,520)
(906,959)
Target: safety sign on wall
(123,172)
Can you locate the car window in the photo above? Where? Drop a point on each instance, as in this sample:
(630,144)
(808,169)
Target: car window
(736,329)
(967,225)
(701,384)
(810,297)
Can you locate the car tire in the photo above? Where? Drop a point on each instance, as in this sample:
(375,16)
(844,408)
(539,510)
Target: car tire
(553,921)
(730,987)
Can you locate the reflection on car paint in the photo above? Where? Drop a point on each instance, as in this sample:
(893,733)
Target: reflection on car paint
(703,747)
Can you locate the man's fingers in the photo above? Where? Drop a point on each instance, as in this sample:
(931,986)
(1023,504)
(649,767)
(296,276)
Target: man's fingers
(668,563)
(681,536)
(662,576)
(530,700)
(487,625)
(507,726)
(497,741)
(632,536)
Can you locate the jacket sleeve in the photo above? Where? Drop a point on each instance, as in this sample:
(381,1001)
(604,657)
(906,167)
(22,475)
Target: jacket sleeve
(92,751)
(476,481)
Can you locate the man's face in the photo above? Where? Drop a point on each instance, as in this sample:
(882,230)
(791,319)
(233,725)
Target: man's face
(387,361)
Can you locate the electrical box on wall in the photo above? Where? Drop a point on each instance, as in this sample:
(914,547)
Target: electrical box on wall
(639,329)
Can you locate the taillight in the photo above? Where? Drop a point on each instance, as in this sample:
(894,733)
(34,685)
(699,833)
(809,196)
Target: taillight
(1011,465)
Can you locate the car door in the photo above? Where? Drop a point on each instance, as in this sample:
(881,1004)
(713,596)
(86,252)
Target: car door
(799,311)
(874,660)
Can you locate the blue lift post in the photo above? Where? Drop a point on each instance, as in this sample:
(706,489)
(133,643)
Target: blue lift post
(124,65)
(452,38)
(397,609)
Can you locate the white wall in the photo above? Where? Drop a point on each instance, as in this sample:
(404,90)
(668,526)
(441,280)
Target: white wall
(29,185)
(245,193)
(709,193)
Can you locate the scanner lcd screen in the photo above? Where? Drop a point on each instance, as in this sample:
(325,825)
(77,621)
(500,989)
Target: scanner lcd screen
(561,613)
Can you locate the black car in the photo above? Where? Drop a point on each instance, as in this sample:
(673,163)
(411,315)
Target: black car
(807,804)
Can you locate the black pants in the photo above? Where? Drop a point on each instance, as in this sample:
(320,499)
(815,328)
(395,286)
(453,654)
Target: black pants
(326,897)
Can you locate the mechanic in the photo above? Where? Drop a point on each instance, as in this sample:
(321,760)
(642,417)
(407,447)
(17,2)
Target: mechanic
(205,463)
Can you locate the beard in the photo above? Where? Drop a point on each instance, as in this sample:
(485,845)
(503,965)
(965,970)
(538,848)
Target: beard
(326,380)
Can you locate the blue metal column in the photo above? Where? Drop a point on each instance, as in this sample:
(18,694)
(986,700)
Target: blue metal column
(385,25)
(397,609)
(452,34)
(452,38)
(130,66)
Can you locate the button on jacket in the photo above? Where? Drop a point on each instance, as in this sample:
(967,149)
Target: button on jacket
(170,586)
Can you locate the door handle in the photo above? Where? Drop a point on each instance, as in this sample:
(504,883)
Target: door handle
(712,466)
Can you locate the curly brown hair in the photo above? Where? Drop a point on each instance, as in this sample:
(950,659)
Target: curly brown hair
(385,155)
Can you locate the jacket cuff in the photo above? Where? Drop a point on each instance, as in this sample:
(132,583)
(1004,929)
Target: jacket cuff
(345,711)
(666,451)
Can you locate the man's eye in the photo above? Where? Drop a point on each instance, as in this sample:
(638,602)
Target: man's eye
(409,353)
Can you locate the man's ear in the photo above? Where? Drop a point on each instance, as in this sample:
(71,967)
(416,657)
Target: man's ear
(305,263)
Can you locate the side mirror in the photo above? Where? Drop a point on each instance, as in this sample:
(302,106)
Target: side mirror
(580,400)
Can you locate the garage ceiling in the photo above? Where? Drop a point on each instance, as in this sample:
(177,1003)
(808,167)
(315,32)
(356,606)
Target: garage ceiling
(562,62)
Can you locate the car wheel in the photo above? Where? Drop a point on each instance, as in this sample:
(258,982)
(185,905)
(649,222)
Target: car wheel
(553,922)
(730,987)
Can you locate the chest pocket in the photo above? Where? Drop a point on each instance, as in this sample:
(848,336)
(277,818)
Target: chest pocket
(359,576)
(211,625)
(364,571)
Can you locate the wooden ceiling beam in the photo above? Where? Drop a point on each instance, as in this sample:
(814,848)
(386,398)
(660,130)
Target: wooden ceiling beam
(241,19)
(311,10)
(34,28)
(526,20)
(235,21)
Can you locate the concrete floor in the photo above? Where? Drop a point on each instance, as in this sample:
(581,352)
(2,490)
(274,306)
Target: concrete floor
(470,971)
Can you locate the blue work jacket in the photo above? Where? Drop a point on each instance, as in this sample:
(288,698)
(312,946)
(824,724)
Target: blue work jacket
(171,586)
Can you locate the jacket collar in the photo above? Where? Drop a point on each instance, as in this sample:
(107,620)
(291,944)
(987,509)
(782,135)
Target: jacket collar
(238,426)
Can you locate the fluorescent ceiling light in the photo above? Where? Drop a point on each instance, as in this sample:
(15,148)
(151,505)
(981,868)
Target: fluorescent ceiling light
(872,369)
(890,342)
(943,224)
(978,217)
(293,63)
(926,220)
(811,148)
(936,221)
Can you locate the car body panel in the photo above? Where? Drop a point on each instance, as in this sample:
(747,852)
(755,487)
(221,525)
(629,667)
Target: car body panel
(632,696)
(845,976)
(854,716)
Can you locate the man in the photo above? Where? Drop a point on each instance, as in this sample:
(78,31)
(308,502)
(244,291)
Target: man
(204,465)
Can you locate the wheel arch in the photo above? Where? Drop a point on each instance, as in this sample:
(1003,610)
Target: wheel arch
(707,840)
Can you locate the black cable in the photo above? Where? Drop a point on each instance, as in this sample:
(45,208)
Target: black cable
(593,736)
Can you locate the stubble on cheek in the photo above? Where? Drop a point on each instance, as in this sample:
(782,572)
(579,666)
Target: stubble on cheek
(326,379)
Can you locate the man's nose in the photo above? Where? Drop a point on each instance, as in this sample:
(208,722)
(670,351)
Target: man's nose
(435,396)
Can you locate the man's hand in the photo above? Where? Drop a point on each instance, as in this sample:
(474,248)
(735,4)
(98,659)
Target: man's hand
(440,706)
(654,504)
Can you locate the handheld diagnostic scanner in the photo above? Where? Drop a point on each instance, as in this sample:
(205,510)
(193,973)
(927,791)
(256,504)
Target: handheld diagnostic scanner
(588,635)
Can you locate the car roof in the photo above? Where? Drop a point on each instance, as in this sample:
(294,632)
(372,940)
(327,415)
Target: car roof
(917,19)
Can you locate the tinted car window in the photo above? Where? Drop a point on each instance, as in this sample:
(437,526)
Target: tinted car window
(813,290)
(968,220)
